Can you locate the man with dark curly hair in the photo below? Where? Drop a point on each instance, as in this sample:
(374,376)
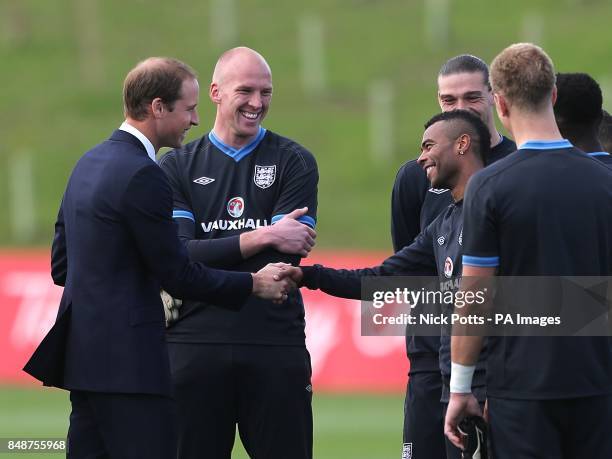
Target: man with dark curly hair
(579,114)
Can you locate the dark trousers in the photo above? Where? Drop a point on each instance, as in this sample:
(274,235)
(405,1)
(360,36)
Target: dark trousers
(265,390)
(121,426)
(541,429)
(423,418)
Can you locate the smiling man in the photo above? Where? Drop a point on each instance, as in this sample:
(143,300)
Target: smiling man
(115,246)
(463,83)
(452,150)
(243,197)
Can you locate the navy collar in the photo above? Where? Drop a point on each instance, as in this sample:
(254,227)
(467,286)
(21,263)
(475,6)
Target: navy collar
(123,136)
(237,153)
(125,126)
(545,145)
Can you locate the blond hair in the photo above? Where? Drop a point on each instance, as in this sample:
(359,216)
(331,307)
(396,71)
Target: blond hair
(524,74)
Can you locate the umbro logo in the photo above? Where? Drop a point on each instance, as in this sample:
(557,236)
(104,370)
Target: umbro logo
(441,240)
(438,190)
(204,180)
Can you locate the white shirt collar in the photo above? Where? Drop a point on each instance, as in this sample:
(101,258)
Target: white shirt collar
(140,136)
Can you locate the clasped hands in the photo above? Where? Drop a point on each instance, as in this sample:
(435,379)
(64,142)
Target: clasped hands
(275,281)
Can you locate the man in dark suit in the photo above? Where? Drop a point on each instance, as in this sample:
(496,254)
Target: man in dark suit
(115,246)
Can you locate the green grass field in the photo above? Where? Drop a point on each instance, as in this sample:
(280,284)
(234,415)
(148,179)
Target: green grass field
(65,61)
(357,426)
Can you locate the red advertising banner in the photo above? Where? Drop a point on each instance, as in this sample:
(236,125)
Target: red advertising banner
(342,359)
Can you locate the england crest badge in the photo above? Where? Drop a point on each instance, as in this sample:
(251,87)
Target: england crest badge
(264,176)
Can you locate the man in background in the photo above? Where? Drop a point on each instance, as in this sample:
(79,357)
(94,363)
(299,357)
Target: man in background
(579,113)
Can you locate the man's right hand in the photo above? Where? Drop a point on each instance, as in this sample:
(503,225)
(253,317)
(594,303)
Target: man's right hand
(294,273)
(269,284)
(288,235)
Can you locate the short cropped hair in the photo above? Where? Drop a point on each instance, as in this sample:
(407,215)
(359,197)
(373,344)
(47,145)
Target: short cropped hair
(579,101)
(605,132)
(466,63)
(465,122)
(524,74)
(152,78)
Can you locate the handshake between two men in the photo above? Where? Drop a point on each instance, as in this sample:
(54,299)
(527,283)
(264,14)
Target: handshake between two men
(274,281)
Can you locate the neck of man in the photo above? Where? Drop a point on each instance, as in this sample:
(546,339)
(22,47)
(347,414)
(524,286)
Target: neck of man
(537,125)
(226,136)
(496,137)
(469,169)
(147,127)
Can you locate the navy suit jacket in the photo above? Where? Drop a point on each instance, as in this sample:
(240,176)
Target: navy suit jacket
(115,245)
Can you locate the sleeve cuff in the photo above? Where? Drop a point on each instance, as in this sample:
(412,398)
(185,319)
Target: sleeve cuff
(310,277)
(241,286)
(245,284)
(183,214)
(481,262)
(305,219)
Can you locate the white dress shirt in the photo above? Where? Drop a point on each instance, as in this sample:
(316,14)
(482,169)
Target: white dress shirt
(140,136)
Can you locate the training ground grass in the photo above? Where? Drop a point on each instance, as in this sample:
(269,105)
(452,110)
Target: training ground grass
(356,426)
(65,61)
